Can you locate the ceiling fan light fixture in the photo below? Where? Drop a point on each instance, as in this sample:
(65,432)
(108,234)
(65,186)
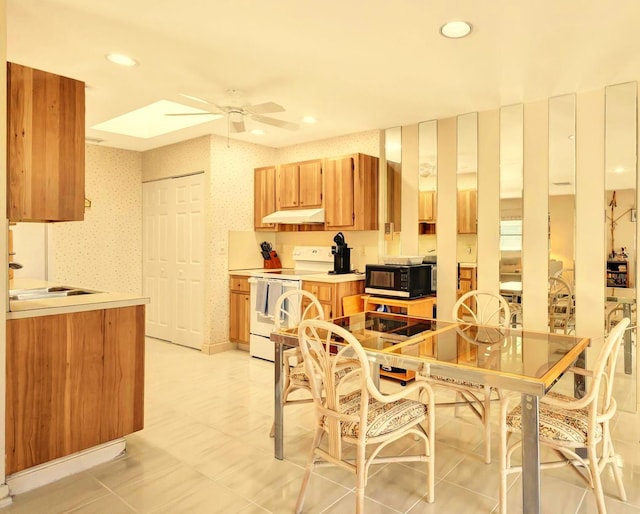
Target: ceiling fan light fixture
(121,59)
(456,29)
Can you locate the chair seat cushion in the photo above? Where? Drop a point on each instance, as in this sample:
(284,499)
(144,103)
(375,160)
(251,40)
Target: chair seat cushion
(299,376)
(383,418)
(558,424)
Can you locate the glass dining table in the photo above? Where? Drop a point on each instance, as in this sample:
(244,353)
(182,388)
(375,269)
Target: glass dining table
(525,362)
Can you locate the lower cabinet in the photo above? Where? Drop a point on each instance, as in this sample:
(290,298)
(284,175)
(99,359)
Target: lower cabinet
(73,381)
(239,311)
(467,281)
(330,294)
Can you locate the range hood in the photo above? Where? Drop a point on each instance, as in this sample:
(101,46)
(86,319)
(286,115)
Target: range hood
(295,217)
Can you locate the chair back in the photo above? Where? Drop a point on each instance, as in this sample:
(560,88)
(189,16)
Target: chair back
(604,369)
(561,305)
(482,307)
(296,305)
(335,371)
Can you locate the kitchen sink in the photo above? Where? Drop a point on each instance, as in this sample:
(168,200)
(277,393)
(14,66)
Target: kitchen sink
(44,293)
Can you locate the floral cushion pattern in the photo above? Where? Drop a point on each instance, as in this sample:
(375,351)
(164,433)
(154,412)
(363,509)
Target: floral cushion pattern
(383,417)
(558,424)
(299,376)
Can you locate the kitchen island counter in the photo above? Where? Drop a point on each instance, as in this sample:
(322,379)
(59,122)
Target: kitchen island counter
(66,304)
(312,275)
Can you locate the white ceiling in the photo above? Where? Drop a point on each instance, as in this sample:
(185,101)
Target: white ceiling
(356,65)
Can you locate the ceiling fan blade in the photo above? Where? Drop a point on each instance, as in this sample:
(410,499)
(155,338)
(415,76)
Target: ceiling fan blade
(275,122)
(237,126)
(265,108)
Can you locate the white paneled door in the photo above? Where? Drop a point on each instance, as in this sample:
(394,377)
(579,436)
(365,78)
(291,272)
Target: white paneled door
(173,254)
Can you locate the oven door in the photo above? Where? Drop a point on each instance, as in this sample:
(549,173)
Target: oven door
(262,321)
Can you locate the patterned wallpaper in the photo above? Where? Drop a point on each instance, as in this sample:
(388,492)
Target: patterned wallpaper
(177,159)
(361,142)
(104,251)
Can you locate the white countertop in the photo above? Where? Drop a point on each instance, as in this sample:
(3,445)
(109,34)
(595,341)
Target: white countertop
(66,304)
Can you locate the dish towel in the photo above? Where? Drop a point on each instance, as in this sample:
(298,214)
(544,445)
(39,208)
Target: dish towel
(275,291)
(262,290)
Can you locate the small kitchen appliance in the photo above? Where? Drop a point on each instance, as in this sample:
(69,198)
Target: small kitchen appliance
(271,259)
(399,280)
(341,255)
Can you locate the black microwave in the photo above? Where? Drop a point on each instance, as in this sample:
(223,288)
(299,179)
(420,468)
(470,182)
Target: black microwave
(400,281)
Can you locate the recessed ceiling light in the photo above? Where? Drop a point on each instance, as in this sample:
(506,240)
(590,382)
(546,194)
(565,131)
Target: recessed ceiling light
(122,60)
(619,169)
(258,132)
(309,119)
(455,29)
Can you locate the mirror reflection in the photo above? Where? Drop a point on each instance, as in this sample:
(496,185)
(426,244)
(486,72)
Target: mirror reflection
(467,202)
(620,229)
(511,180)
(427,187)
(562,208)
(393,156)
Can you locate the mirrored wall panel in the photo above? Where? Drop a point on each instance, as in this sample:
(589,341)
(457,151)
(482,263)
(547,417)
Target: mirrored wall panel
(620,230)
(467,202)
(562,213)
(511,170)
(393,155)
(428,188)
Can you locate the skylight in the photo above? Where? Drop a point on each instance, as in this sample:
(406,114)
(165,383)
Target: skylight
(152,120)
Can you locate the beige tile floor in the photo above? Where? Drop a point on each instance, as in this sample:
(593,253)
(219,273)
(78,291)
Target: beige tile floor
(205,449)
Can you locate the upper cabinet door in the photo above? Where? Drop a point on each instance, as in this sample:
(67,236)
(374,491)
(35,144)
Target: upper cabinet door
(310,184)
(467,211)
(264,196)
(288,185)
(45,153)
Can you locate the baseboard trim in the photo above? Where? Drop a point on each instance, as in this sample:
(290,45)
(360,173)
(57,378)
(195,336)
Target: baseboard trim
(211,348)
(43,474)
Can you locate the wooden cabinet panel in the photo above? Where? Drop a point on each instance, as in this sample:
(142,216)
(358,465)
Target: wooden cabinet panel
(427,208)
(310,184)
(288,185)
(467,282)
(467,212)
(330,295)
(45,146)
(239,311)
(73,381)
(299,185)
(123,384)
(351,192)
(264,195)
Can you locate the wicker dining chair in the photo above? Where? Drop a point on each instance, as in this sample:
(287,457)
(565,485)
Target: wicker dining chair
(485,308)
(353,413)
(567,424)
(291,308)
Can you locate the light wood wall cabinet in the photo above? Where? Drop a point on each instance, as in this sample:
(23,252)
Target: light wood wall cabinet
(330,295)
(468,212)
(73,381)
(427,208)
(45,146)
(351,192)
(299,185)
(264,195)
(467,282)
(239,309)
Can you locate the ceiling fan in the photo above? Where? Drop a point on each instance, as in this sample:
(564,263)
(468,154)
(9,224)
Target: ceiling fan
(237,112)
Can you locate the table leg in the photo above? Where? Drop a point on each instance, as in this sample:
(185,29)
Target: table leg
(530,455)
(277,402)
(628,362)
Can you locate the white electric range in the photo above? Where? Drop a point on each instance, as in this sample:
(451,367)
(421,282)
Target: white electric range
(268,285)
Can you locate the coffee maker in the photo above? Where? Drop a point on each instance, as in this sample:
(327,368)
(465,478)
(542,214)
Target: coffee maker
(341,255)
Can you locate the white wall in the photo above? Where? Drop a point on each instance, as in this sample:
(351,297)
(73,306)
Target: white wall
(104,251)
